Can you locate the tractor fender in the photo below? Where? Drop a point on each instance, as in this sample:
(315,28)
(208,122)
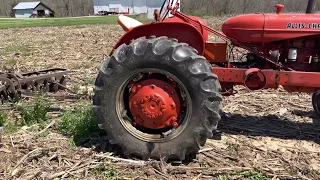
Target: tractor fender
(181,31)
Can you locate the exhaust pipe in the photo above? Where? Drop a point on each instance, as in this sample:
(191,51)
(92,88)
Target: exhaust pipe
(311,6)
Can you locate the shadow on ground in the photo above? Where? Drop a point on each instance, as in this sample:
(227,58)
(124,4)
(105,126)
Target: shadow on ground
(99,143)
(272,126)
(235,124)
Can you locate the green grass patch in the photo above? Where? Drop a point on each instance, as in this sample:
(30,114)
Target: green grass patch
(10,62)
(8,124)
(79,123)
(104,171)
(16,49)
(252,175)
(37,114)
(44,134)
(43,42)
(75,87)
(3,118)
(89,81)
(11,127)
(83,65)
(233,148)
(33,112)
(42,22)
(222,177)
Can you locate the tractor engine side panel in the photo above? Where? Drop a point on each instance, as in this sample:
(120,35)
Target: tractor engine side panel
(181,31)
(301,54)
(290,26)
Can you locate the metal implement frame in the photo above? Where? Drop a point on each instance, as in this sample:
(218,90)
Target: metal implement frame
(13,85)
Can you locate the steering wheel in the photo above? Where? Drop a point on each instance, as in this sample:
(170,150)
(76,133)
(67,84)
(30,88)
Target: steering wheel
(164,12)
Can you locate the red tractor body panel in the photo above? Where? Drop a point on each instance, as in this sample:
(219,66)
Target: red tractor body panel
(204,32)
(181,31)
(266,28)
(216,52)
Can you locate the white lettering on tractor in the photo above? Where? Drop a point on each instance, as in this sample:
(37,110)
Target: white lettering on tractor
(303,26)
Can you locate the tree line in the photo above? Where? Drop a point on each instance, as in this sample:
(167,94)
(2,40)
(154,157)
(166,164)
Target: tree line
(72,8)
(62,8)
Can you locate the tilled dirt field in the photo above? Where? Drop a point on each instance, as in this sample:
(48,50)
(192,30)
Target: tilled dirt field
(265,135)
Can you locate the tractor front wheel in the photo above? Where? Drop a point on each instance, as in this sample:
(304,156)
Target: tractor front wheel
(156,98)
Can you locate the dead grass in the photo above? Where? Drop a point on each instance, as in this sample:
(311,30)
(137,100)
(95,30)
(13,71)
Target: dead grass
(264,135)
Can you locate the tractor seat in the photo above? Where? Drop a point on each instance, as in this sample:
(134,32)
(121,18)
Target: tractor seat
(128,23)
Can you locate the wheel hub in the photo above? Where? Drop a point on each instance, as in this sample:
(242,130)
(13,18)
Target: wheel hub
(154,104)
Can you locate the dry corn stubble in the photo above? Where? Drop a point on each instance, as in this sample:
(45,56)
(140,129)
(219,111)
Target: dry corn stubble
(269,131)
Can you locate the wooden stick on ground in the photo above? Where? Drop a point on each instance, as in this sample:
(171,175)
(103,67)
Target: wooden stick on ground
(205,149)
(49,125)
(24,158)
(197,177)
(139,163)
(77,164)
(212,169)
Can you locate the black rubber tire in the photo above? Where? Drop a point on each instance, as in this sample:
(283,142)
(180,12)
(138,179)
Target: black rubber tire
(315,105)
(180,60)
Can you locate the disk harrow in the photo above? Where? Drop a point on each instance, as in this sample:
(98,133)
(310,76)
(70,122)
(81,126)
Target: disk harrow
(13,84)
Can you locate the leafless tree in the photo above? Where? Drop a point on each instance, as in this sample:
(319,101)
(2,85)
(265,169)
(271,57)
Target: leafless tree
(64,8)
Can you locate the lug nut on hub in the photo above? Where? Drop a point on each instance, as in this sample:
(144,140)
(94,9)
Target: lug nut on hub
(134,104)
(175,124)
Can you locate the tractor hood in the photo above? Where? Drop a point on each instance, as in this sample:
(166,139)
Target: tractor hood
(245,28)
(266,28)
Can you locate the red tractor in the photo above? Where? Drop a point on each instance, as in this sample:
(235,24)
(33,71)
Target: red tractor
(159,94)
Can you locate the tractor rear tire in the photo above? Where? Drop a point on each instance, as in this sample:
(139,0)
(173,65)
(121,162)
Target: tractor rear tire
(316,106)
(166,55)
